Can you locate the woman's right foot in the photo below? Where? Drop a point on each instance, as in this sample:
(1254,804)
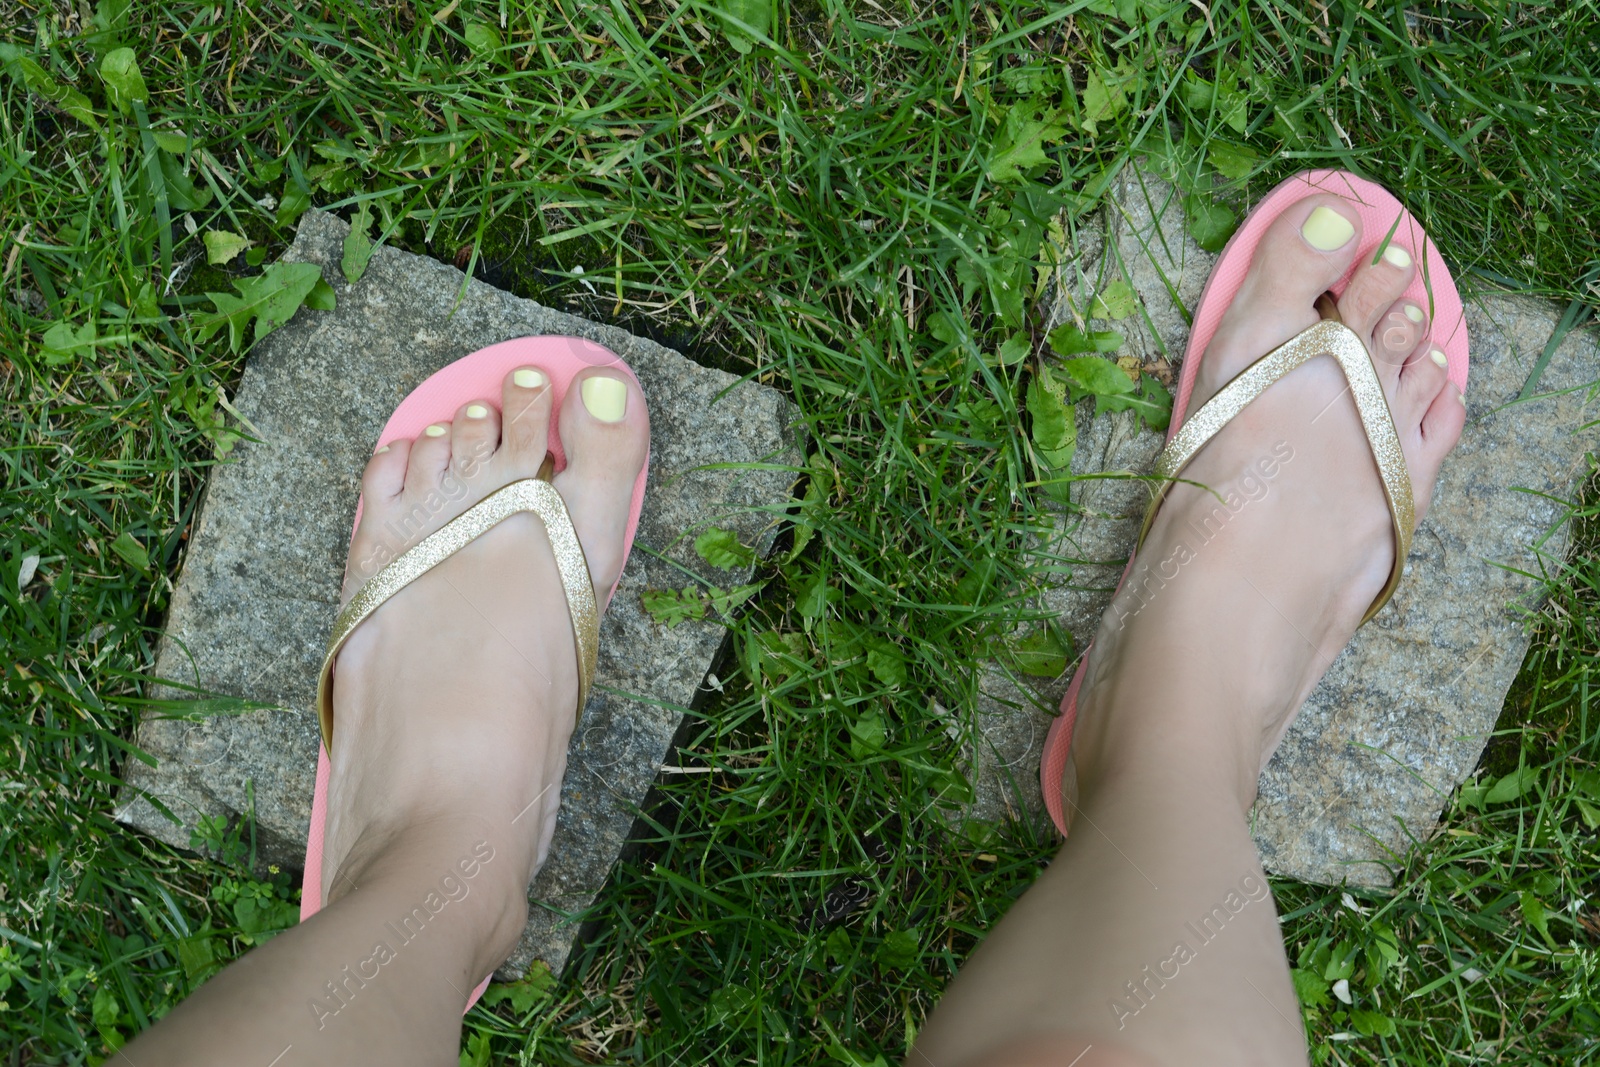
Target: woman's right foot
(1151,938)
(1240,604)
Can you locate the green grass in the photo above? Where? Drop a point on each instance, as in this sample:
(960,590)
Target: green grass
(828,212)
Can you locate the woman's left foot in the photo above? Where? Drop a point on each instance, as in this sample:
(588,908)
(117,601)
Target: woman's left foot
(455,700)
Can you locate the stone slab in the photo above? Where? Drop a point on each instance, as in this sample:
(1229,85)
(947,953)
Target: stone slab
(260,582)
(1402,716)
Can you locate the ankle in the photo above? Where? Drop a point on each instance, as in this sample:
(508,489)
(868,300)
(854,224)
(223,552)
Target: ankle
(1139,734)
(440,866)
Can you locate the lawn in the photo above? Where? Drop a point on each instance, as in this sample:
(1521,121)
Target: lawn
(856,204)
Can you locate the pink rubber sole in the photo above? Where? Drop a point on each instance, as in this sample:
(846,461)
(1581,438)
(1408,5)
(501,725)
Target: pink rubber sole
(478,376)
(1432,288)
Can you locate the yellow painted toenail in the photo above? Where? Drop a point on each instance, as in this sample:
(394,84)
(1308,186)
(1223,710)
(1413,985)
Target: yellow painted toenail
(606,398)
(1326,229)
(1397,256)
(1413,313)
(476,411)
(1439,358)
(1461,395)
(381,450)
(436,430)
(528,378)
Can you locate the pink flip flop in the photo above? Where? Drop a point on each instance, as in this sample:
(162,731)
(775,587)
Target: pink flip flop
(478,376)
(1384,221)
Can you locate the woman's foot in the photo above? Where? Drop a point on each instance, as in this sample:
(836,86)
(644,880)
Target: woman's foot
(1236,606)
(454,701)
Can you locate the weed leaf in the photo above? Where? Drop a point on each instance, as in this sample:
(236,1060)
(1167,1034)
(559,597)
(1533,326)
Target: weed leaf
(1020,143)
(1093,376)
(1512,785)
(132,552)
(357,246)
(1014,350)
(671,606)
(1043,653)
(64,342)
(867,735)
(1232,161)
(721,549)
(1153,404)
(39,81)
(733,1006)
(223,245)
(182,194)
(482,38)
(124,84)
(723,603)
(1068,340)
(1054,432)
(1115,301)
(899,950)
(1310,987)
(322,297)
(1210,223)
(271,298)
(1100,102)
(887,665)
(756,14)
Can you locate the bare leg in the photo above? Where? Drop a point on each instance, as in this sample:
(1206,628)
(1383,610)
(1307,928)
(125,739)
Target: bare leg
(453,708)
(1152,937)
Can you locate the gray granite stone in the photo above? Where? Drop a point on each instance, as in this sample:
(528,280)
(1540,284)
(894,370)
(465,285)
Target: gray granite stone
(260,583)
(1403,714)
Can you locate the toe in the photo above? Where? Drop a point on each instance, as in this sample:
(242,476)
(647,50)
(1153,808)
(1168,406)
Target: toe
(385,475)
(1395,337)
(1376,284)
(381,486)
(525,421)
(474,436)
(1305,250)
(1442,425)
(1421,379)
(605,431)
(430,456)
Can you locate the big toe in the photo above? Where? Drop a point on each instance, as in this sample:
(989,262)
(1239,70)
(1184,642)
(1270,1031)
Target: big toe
(605,432)
(1305,250)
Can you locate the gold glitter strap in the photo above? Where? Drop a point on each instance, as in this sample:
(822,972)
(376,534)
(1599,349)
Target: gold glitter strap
(529,494)
(1328,337)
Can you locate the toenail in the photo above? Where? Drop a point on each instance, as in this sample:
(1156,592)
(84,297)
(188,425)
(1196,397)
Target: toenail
(1413,313)
(528,378)
(435,430)
(381,450)
(1325,229)
(606,398)
(476,411)
(1397,256)
(1439,358)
